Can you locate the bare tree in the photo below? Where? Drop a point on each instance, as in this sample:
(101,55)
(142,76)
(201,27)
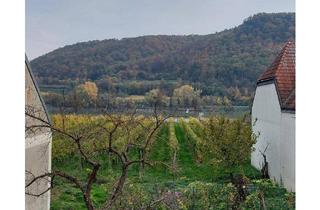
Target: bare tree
(265,165)
(101,136)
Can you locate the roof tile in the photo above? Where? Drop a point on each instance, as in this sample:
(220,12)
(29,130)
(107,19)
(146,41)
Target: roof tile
(283,72)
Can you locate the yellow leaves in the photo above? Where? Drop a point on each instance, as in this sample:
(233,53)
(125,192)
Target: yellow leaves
(91,89)
(226,101)
(196,126)
(95,130)
(185,94)
(157,96)
(184,90)
(230,140)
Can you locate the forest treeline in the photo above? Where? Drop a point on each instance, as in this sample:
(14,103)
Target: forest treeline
(226,63)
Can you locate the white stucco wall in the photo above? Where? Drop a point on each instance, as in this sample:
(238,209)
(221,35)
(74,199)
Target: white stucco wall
(266,114)
(287,156)
(38,161)
(276,129)
(37,149)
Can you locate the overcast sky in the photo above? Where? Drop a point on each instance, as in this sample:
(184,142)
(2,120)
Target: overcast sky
(51,24)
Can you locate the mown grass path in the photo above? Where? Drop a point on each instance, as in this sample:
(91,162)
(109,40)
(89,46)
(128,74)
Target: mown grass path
(189,170)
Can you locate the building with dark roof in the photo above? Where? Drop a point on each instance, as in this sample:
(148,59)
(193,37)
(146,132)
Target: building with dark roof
(273,118)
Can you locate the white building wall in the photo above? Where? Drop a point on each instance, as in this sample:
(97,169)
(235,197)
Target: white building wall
(38,162)
(275,129)
(288,150)
(266,117)
(37,149)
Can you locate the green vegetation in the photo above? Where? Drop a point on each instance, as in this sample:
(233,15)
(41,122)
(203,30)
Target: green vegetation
(196,143)
(176,174)
(221,64)
(229,141)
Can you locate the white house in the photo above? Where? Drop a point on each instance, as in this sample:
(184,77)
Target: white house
(273,119)
(37,146)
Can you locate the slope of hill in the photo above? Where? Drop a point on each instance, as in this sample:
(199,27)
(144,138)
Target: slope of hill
(214,63)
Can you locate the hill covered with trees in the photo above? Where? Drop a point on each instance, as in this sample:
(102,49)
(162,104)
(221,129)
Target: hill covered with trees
(221,64)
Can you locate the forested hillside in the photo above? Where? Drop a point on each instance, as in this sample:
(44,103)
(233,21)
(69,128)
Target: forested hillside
(224,63)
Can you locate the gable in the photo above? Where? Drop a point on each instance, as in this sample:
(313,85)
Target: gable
(282,73)
(34,104)
(268,110)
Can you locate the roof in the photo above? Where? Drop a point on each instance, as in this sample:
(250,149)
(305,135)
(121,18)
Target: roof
(36,87)
(283,73)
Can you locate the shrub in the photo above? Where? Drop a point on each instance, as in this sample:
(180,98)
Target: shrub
(201,195)
(229,141)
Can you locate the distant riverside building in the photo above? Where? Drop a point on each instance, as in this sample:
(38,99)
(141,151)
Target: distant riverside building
(273,119)
(37,146)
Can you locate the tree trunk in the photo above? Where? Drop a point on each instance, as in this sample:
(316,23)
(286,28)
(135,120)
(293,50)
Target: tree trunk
(80,161)
(118,189)
(141,168)
(88,201)
(265,168)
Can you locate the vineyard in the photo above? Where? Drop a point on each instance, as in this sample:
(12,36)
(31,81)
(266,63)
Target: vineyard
(186,171)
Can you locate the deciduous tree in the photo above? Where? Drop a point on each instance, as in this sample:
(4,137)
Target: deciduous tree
(111,135)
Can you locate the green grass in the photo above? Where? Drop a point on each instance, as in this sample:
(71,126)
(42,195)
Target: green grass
(188,167)
(65,196)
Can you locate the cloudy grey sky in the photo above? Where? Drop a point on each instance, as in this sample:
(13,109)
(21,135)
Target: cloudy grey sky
(51,24)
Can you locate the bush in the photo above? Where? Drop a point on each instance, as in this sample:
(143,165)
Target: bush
(229,141)
(201,195)
(274,196)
